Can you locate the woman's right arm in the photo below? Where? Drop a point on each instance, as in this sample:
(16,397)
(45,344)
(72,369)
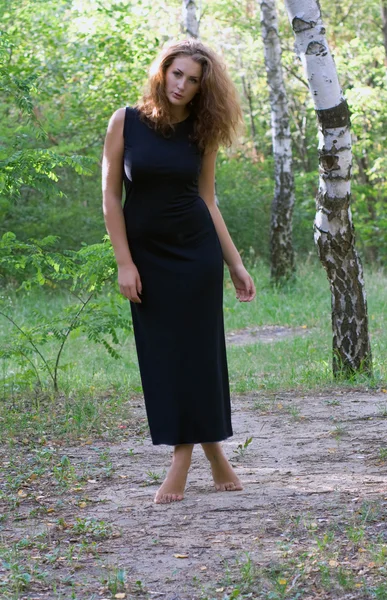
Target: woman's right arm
(112,175)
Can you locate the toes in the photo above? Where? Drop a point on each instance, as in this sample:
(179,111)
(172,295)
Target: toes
(220,487)
(229,486)
(168,498)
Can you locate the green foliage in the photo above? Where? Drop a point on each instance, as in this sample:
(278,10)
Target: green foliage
(65,67)
(82,276)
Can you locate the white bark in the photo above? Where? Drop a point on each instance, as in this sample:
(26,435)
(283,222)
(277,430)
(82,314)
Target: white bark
(190,21)
(282,255)
(334,233)
(384,27)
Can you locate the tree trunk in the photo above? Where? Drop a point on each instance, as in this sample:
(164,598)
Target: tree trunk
(190,21)
(384,26)
(334,232)
(281,246)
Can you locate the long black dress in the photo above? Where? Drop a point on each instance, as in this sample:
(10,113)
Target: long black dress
(178,327)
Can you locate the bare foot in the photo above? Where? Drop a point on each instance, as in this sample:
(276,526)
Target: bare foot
(172,489)
(225,478)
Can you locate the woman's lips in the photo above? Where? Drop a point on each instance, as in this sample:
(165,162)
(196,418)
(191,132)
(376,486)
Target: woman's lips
(179,96)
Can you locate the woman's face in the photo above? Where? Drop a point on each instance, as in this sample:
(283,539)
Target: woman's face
(182,80)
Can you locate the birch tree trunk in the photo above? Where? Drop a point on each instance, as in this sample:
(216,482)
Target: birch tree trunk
(384,27)
(281,245)
(190,21)
(334,232)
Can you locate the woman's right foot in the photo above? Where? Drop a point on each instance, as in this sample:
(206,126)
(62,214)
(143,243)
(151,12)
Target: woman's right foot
(172,489)
(225,478)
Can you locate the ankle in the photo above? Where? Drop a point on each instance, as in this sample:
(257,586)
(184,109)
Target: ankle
(213,451)
(182,455)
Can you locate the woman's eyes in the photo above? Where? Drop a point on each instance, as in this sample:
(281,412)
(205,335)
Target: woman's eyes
(177,74)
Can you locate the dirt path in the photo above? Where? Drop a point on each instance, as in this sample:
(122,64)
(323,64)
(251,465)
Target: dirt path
(313,461)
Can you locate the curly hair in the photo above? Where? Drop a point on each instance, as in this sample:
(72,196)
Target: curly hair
(216,110)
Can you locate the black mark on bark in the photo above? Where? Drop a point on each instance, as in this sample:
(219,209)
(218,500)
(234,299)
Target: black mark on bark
(301,25)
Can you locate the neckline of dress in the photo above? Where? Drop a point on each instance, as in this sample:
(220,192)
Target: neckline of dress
(183,121)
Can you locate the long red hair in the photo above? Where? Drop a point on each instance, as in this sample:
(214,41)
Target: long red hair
(216,110)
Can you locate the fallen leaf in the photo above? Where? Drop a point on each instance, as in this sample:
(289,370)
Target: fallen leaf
(22,494)
(384,391)
(282,581)
(49,510)
(203,568)
(333,563)
(83,505)
(120,595)
(181,555)
(219,590)
(91,481)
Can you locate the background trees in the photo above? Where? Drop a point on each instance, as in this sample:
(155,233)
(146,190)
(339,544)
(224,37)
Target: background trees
(82,59)
(67,65)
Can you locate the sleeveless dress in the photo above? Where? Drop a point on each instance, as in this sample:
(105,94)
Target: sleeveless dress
(178,327)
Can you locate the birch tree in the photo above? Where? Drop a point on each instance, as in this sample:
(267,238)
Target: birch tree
(384,27)
(281,246)
(333,227)
(190,21)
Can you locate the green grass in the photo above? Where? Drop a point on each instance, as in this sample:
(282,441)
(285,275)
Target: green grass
(337,557)
(95,388)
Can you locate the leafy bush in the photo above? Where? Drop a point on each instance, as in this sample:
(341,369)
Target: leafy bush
(84,276)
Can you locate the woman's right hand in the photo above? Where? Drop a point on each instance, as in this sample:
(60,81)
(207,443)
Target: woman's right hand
(130,283)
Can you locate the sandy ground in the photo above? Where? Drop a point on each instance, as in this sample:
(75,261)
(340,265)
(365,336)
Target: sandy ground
(314,456)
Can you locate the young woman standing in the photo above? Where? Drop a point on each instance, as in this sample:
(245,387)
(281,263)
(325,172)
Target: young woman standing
(170,241)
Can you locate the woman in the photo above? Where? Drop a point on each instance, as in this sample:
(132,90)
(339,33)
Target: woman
(170,241)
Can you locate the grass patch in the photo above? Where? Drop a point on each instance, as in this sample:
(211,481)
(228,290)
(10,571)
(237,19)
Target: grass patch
(341,557)
(97,391)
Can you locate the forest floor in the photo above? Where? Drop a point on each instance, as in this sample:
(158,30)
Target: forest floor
(79,521)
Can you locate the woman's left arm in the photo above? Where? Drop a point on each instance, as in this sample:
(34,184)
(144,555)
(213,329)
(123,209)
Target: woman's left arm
(244,285)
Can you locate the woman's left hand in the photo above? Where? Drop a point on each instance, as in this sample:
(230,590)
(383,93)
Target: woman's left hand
(244,285)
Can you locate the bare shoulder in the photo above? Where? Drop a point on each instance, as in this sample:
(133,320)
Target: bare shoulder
(117,120)
(209,160)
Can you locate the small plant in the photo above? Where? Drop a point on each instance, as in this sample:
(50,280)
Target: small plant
(154,477)
(383,454)
(333,402)
(106,462)
(356,534)
(324,542)
(116,580)
(345,578)
(382,409)
(92,527)
(17,576)
(294,412)
(241,449)
(64,472)
(339,431)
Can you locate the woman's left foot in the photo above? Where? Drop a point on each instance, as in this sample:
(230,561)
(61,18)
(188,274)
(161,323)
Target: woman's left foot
(225,478)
